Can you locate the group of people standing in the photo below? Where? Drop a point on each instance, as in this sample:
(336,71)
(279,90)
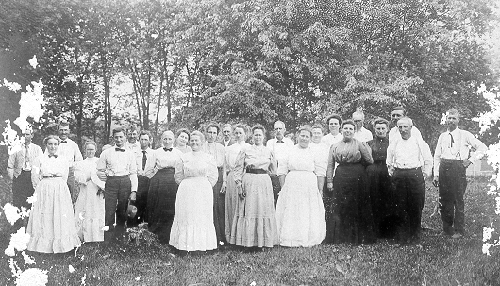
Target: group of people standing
(197,193)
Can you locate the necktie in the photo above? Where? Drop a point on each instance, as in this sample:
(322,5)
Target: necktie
(451,140)
(119,150)
(64,141)
(26,157)
(167,149)
(143,159)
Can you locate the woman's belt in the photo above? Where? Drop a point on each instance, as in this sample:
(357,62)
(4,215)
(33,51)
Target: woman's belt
(256,171)
(52,176)
(167,170)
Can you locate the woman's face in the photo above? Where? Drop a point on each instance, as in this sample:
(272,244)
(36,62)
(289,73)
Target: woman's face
(182,139)
(167,139)
(317,134)
(258,137)
(348,131)
(195,143)
(52,145)
(381,130)
(304,138)
(239,134)
(334,125)
(90,151)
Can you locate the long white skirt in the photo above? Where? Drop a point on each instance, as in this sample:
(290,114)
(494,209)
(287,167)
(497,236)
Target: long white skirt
(193,227)
(51,224)
(300,213)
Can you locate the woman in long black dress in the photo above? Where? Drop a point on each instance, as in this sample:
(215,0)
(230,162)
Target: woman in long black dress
(379,181)
(162,187)
(352,219)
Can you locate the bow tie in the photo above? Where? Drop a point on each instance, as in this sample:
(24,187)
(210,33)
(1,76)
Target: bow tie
(280,141)
(55,156)
(64,141)
(119,150)
(167,149)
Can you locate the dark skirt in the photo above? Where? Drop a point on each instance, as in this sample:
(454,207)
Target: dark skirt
(161,203)
(351,219)
(379,184)
(219,208)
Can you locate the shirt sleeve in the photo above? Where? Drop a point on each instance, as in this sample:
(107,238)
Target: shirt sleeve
(239,166)
(319,164)
(331,165)
(101,163)
(479,146)
(390,155)
(426,153)
(35,172)
(78,154)
(437,155)
(212,172)
(132,163)
(11,165)
(179,170)
(65,169)
(366,152)
(272,164)
(149,169)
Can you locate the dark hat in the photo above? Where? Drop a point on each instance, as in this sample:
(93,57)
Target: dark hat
(131,210)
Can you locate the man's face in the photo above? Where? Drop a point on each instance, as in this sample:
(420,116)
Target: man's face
(227,133)
(211,134)
(280,130)
(404,128)
(27,137)
(144,141)
(63,132)
(132,136)
(119,139)
(396,115)
(452,121)
(358,120)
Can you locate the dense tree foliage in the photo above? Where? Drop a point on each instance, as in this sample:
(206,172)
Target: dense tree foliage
(250,61)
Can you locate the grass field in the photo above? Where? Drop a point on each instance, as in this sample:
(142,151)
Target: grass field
(436,261)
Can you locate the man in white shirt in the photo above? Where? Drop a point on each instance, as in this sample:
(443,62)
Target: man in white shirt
(118,167)
(280,146)
(451,159)
(362,134)
(409,162)
(142,159)
(19,170)
(132,143)
(397,113)
(70,150)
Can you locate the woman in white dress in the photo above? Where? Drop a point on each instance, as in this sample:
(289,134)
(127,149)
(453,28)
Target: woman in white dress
(232,197)
(89,207)
(51,224)
(300,213)
(193,227)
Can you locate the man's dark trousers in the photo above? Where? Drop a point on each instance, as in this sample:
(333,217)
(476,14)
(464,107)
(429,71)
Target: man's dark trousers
(117,192)
(452,185)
